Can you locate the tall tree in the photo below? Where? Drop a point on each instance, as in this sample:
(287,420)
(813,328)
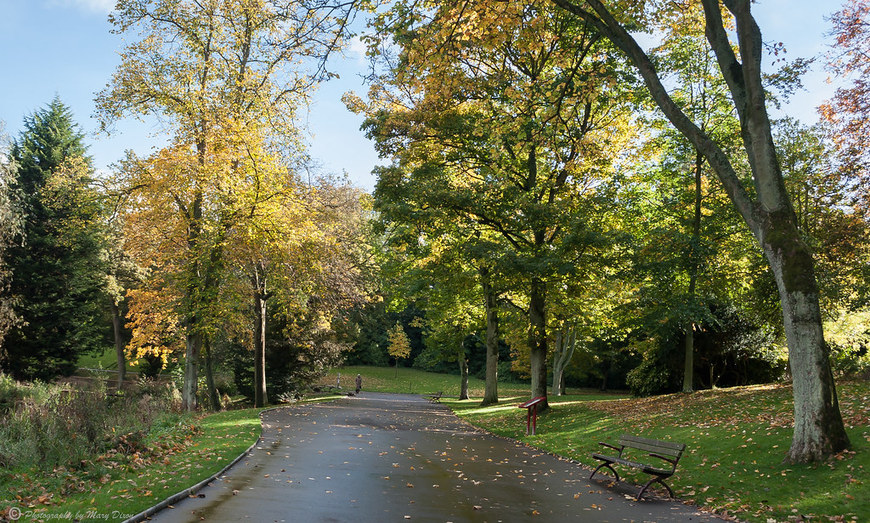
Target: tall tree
(58,274)
(849,109)
(435,248)
(765,207)
(511,131)
(226,78)
(10,229)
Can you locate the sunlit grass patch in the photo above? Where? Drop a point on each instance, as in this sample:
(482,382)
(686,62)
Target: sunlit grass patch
(736,442)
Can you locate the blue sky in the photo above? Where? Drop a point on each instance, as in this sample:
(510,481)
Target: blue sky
(64,48)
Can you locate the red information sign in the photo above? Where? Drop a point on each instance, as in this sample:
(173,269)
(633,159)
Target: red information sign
(531,407)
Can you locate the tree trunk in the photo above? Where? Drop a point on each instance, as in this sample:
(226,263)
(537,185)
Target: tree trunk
(694,267)
(213,395)
(538,340)
(689,368)
(490,394)
(260,397)
(818,431)
(566,340)
(463,373)
(119,345)
(193,343)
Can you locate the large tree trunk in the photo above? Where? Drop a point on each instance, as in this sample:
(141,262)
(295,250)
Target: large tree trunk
(490,394)
(213,395)
(538,340)
(119,345)
(819,430)
(193,343)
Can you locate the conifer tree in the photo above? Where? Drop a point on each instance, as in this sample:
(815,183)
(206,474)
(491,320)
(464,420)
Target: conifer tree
(57,273)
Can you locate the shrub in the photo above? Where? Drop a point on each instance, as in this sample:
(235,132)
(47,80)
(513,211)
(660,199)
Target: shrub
(51,425)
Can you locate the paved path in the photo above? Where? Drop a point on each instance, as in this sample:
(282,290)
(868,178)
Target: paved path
(384,457)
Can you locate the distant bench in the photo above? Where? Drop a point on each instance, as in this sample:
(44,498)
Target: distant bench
(664,450)
(435,398)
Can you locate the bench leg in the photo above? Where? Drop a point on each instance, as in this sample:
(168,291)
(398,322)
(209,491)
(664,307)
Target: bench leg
(605,465)
(650,482)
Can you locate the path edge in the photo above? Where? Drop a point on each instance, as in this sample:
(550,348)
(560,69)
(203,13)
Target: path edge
(182,494)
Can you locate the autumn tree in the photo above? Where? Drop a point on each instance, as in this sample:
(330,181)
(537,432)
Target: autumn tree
(765,206)
(442,258)
(56,265)
(302,267)
(398,345)
(509,131)
(226,80)
(849,110)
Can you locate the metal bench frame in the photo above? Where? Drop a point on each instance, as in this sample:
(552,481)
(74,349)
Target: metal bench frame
(664,450)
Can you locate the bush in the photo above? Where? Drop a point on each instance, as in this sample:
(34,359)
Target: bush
(51,425)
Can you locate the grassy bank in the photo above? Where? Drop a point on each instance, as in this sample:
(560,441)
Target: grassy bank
(179,452)
(737,439)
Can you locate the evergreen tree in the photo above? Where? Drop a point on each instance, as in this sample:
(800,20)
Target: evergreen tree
(57,272)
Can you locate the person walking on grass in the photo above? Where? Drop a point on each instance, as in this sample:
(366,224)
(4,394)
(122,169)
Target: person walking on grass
(358,383)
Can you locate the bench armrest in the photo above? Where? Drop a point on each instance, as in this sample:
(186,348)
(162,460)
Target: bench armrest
(672,461)
(614,447)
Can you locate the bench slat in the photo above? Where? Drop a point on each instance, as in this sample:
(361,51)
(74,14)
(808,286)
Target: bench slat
(665,448)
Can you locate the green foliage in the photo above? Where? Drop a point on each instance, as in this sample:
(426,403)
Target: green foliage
(730,350)
(57,267)
(10,228)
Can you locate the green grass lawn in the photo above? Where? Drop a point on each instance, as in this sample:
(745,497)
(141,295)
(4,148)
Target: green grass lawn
(104,360)
(737,439)
(413,381)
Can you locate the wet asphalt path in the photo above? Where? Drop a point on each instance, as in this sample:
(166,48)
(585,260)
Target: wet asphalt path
(385,457)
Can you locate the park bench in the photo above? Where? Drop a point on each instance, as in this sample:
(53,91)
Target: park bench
(664,450)
(436,398)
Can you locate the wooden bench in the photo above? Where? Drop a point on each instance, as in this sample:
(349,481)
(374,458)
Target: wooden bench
(668,452)
(436,398)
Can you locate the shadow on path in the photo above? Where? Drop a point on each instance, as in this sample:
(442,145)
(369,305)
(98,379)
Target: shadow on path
(388,457)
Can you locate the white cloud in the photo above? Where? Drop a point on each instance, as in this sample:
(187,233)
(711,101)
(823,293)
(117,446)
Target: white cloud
(356,49)
(91,6)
